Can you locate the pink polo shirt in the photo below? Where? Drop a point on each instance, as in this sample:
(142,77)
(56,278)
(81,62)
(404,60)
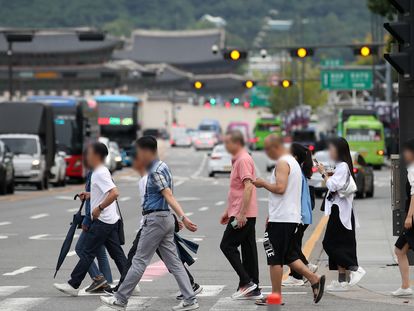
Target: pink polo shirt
(243,169)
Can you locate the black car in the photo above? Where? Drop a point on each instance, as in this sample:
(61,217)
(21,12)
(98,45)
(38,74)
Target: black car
(6,170)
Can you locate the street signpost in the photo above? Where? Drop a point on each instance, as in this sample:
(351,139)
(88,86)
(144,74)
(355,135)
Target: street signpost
(332,62)
(260,96)
(346,79)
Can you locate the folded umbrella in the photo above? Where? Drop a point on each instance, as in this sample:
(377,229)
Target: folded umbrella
(182,252)
(77,220)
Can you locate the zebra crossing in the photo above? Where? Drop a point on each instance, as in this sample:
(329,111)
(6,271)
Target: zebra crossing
(211,298)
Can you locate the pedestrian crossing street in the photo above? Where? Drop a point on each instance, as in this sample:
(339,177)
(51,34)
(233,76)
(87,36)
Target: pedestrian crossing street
(211,298)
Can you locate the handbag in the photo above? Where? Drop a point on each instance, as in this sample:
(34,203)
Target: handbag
(121,232)
(349,189)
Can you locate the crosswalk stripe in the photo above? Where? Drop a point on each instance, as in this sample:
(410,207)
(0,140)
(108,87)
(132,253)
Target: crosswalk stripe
(5,223)
(38,216)
(219,203)
(8,290)
(228,304)
(134,303)
(20,304)
(211,290)
(203,209)
(20,271)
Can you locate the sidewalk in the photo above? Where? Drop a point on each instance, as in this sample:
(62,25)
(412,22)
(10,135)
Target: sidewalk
(375,251)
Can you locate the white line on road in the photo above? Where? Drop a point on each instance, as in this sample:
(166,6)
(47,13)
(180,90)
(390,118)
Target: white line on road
(3,237)
(72,210)
(8,290)
(64,197)
(38,216)
(71,253)
(200,168)
(211,290)
(189,214)
(179,183)
(5,223)
(20,304)
(203,209)
(219,203)
(20,271)
(230,304)
(38,236)
(124,199)
(186,199)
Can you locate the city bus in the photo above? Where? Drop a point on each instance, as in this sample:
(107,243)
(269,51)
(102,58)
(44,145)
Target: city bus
(265,126)
(76,126)
(365,134)
(345,114)
(118,118)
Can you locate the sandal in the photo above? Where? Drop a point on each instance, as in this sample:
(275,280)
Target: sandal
(318,289)
(261,301)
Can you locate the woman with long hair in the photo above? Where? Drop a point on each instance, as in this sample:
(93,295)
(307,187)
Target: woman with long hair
(339,242)
(406,239)
(304,157)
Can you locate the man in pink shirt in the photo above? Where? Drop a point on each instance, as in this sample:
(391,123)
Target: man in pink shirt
(240,218)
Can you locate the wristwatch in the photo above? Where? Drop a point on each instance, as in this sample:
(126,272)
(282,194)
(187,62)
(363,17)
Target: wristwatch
(323,175)
(100,207)
(181,218)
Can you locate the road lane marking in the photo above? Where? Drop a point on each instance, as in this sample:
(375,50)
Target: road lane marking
(189,214)
(179,183)
(219,203)
(3,237)
(64,197)
(8,290)
(71,253)
(5,223)
(211,290)
(38,236)
(124,199)
(38,216)
(187,199)
(154,271)
(230,304)
(203,209)
(20,304)
(20,271)
(134,303)
(200,168)
(72,210)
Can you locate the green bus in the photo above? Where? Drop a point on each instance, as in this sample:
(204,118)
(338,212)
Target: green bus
(263,127)
(365,134)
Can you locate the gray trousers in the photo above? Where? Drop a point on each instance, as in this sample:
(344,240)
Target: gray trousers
(157,233)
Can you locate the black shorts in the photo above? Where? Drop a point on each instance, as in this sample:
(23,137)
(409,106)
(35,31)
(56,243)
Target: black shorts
(279,243)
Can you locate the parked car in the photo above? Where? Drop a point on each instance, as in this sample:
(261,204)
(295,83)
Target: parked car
(364,175)
(219,161)
(29,161)
(205,140)
(110,161)
(58,171)
(6,170)
(180,137)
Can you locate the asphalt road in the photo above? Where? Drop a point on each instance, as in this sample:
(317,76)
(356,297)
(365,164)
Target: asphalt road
(33,225)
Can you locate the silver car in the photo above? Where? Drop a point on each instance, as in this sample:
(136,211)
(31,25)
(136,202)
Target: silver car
(219,161)
(205,140)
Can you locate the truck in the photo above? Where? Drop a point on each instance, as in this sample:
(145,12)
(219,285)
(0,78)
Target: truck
(28,132)
(365,134)
(265,126)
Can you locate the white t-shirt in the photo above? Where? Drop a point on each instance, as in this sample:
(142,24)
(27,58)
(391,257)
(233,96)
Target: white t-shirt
(410,175)
(286,207)
(101,184)
(142,186)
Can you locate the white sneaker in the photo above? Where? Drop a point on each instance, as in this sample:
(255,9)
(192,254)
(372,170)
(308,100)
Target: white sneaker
(136,291)
(356,276)
(183,306)
(67,289)
(292,282)
(243,292)
(336,286)
(313,268)
(402,292)
(113,303)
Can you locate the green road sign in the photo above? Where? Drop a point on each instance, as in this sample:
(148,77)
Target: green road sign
(332,62)
(260,96)
(346,79)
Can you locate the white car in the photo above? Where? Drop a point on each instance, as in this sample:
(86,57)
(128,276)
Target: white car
(58,171)
(205,140)
(219,161)
(110,161)
(115,154)
(180,137)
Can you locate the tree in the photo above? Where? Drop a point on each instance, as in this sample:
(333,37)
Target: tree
(381,7)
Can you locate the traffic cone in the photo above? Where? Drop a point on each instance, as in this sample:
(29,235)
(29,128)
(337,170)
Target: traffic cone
(274,300)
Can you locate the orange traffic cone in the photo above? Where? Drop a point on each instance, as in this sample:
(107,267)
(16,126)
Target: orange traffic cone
(274,300)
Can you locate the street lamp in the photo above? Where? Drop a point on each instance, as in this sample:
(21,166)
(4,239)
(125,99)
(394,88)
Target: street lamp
(12,37)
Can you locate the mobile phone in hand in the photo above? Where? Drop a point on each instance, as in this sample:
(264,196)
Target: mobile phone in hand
(235,224)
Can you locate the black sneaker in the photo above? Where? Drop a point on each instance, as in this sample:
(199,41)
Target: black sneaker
(109,290)
(254,295)
(95,285)
(196,288)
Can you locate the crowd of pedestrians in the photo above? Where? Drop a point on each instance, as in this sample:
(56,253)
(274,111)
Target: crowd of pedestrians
(290,206)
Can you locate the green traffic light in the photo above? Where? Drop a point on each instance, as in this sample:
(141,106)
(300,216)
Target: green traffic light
(236,101)
(213,101)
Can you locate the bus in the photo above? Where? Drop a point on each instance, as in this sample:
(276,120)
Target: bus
(118,118)
(76,126)
(345,114)
(365,134)
(264,127)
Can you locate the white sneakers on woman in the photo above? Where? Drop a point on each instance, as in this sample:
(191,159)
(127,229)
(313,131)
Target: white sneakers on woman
(402,292)
(336,286)
(356,276)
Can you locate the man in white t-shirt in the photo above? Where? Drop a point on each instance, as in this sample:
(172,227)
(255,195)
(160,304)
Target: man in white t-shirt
(285,191)
(104,229)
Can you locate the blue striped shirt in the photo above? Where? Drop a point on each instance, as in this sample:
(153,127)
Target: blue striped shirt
(159,178)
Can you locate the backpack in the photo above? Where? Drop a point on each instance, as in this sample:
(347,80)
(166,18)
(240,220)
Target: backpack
(306,206)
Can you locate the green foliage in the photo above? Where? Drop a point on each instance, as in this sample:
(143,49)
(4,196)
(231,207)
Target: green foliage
(382,7)
(283,99)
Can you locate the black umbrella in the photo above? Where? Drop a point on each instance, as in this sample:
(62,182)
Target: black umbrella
(77,221)
(182,252)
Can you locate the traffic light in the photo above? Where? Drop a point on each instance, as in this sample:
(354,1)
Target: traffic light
(227,104)
(213,101)
(236,100)
(235,54)
(403,32)
(248,84)
(365,50)
(246,104)
(198,85)
(286,83)
(301,52)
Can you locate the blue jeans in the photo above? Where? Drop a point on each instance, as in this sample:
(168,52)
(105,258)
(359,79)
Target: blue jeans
(104,267)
